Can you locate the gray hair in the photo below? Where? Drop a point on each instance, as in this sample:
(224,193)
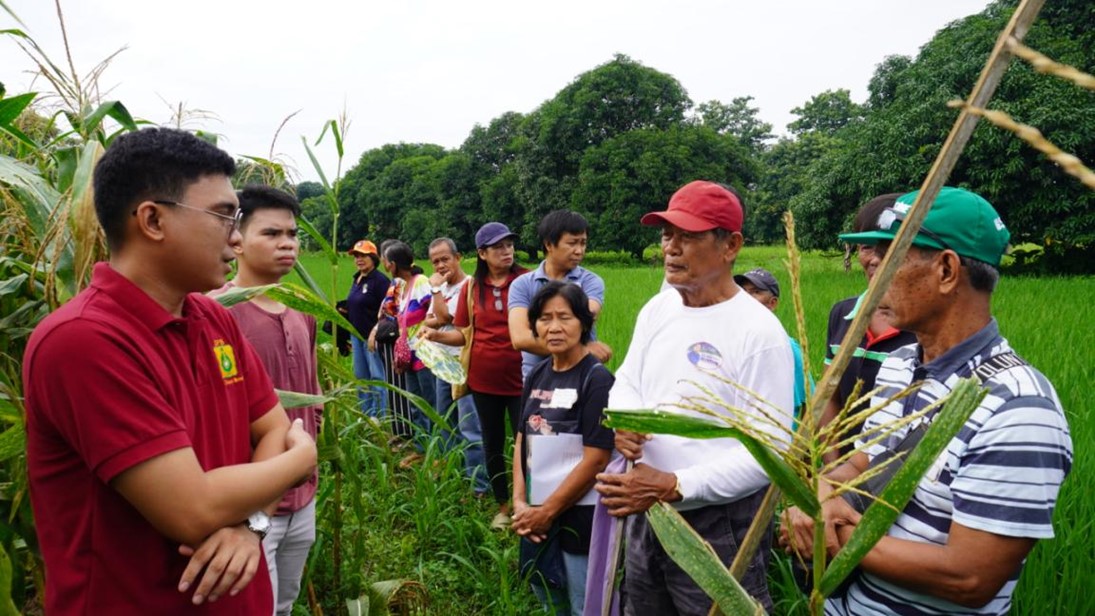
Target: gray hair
(446,241)
(983,277)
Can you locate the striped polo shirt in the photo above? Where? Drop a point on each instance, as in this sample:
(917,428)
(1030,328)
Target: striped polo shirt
(1000,474)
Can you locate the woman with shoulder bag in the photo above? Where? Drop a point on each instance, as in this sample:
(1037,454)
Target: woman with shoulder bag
(494,368)
(410,312)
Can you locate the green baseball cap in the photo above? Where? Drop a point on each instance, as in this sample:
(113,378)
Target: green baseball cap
(959,220)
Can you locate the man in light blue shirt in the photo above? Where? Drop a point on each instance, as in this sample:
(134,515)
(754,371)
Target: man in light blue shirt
(564,234)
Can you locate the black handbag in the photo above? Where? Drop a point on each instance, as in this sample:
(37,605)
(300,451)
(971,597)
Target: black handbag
(387,330)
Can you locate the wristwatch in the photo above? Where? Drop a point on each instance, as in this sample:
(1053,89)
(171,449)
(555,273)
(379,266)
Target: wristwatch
(435,290)
(259,523)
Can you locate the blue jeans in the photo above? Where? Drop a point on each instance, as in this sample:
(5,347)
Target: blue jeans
(423,384)
(368,365)
(466,419)
(554,600)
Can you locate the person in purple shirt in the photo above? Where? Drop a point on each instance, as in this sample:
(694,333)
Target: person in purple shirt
(564,234)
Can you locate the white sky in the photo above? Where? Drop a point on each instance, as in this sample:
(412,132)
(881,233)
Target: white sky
(428,70)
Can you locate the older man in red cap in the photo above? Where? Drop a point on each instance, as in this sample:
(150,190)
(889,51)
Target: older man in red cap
(690,341)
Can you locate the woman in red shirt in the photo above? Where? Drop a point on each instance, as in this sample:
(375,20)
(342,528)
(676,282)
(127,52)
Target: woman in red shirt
(494,371)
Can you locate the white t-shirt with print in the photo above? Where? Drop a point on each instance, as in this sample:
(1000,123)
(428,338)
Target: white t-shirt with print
(678,350)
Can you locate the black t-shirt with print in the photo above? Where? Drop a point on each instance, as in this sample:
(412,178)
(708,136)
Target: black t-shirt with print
(569,402)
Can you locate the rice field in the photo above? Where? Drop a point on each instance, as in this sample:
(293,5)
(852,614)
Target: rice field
(1047,320)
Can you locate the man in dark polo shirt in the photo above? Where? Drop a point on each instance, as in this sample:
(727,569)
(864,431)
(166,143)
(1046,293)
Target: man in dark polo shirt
(154,437)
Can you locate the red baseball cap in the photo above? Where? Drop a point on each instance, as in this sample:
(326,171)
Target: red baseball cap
(700,206)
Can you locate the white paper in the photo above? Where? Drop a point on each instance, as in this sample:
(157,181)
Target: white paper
(551,458)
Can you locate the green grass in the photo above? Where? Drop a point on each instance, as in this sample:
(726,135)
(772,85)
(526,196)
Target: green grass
(422,527)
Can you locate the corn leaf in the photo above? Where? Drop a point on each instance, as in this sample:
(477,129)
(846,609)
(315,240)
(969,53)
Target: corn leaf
(296,399)
(115,110)
(11,107)
(14,284)
(13,442)
(311,283)
(315,161)
(324,245)
(7,606)
(662,422)
(37,196)
(879,518)
(299,298)
(293,296)
(699,561)
(238,295)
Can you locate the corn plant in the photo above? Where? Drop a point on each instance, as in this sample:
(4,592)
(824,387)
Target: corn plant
(792,470)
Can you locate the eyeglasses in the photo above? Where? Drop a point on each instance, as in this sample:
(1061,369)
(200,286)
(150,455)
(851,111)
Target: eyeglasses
(232,222)
(497,298)
(891,215)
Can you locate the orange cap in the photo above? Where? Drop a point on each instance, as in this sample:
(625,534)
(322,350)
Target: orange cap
(364,247)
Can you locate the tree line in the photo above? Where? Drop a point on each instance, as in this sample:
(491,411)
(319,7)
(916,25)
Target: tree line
(615,143)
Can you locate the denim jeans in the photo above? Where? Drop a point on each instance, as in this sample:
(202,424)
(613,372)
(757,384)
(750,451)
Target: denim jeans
(423,384)
(555,600)
(368,365)
(470,435)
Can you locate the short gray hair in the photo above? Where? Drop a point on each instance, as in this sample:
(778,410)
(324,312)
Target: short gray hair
(983,277)
(444,240)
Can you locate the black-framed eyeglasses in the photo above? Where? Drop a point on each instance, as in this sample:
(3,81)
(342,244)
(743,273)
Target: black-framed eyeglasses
(497,298)
(891,215)
(232,222)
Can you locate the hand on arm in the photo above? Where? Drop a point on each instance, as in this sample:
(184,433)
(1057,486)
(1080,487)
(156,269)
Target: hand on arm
(600,350)
(520,333)
(186,503)
(452,337)
(439,308)
(230,556)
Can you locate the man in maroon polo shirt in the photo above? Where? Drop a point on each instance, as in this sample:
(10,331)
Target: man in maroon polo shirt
(154,437)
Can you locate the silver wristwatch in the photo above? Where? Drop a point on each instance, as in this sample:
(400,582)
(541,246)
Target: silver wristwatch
(259,523)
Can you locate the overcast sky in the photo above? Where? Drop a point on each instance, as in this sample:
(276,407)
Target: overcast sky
(427,71)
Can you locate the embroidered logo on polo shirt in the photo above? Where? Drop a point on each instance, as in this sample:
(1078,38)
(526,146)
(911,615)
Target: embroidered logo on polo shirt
(226,359)
(704,356)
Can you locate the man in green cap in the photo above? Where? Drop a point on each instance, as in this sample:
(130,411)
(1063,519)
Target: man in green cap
(960,543)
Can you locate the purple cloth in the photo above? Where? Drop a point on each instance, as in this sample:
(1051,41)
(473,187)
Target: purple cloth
(604,544)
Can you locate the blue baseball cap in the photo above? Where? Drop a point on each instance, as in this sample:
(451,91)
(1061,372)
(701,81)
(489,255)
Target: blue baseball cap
(492,233)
